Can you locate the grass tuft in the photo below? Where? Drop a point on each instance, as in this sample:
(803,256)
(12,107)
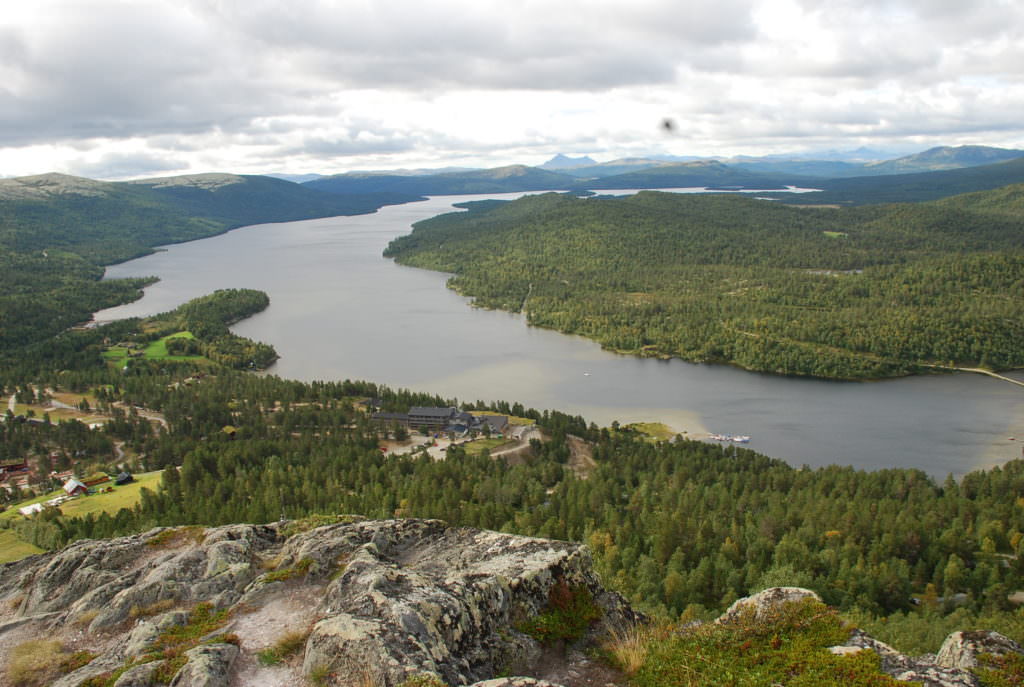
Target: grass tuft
(34,662)
(300,568)
(627,649)
(152,609)
(287,645)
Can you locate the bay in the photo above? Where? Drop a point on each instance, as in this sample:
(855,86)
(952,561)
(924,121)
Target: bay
(339,310)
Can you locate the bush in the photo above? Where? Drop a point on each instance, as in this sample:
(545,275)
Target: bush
(570,611)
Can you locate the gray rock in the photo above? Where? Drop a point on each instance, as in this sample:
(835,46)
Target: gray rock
(139,676)
(922,669)
(765,602)
(208,666)
(417,596)
(106,663)
(961,649)
(514,682)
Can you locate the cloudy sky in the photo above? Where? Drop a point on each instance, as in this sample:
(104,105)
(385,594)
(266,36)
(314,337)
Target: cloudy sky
(129,88)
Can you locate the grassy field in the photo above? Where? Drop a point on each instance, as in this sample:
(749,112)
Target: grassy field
(477,446)
(122,497)
(157,350)
(126,496)
(58,414)
(655,430)
(13,549)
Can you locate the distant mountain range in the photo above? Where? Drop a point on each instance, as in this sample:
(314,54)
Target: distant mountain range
(866,182)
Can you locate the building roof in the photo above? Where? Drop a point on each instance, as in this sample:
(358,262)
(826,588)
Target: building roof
(440,413)
(497,422)
(29,510)
(72,484)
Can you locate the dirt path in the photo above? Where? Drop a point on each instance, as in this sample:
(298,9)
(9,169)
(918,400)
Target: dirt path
(523,442)
(294,611)
(581,456)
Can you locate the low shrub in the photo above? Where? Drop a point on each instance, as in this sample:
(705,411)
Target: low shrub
(568,615)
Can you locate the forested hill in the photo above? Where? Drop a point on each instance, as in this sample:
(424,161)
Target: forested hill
(829,292)
(498,180)
(521,178)
(112,221)
(909,188)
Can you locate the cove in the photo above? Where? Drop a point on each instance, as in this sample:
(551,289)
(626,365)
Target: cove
(339,310)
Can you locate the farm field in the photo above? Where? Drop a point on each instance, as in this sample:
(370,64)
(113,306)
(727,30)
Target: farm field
(157,350)
(12,548)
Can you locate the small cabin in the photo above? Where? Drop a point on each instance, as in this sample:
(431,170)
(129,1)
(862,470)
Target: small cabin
(75,488)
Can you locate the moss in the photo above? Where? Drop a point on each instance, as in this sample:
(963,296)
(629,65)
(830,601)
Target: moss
(423,680)
(76,660)
(1000,671)
(170,646)
(300,568)
(166,538)
(787,645)
(568,615)
(293,527)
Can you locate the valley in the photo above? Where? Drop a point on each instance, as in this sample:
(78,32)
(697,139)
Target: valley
(219,389)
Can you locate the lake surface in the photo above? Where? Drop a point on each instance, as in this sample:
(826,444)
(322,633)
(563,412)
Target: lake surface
(339,310)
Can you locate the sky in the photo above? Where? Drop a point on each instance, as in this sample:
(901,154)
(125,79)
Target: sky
(115,89)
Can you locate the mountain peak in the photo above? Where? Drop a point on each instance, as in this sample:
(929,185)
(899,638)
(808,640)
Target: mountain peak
(561,161)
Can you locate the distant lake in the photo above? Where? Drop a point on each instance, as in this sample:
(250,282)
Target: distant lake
(339,310)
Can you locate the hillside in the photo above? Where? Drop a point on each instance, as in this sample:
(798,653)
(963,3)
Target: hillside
(835,293)
(693,174)
(497,180)
(909,188)
(113,221)
(944,157)
(56,232)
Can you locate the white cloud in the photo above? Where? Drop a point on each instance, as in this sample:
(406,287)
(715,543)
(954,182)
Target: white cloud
(108,86)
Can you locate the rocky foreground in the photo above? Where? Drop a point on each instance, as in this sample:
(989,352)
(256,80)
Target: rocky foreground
(393,603)
(368,602)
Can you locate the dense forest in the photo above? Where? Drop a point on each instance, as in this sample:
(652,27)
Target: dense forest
(677,526)
(829,292)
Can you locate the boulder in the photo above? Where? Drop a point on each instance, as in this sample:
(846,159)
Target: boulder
(764,603)
(208,666)
(961,649)
(419,597)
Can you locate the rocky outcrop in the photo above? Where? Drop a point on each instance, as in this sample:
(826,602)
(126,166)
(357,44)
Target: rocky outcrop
(351,603)
(961,649)
(949,668)
(381,599)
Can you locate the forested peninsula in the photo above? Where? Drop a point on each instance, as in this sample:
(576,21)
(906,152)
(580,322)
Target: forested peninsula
(838,293)
(57,232)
